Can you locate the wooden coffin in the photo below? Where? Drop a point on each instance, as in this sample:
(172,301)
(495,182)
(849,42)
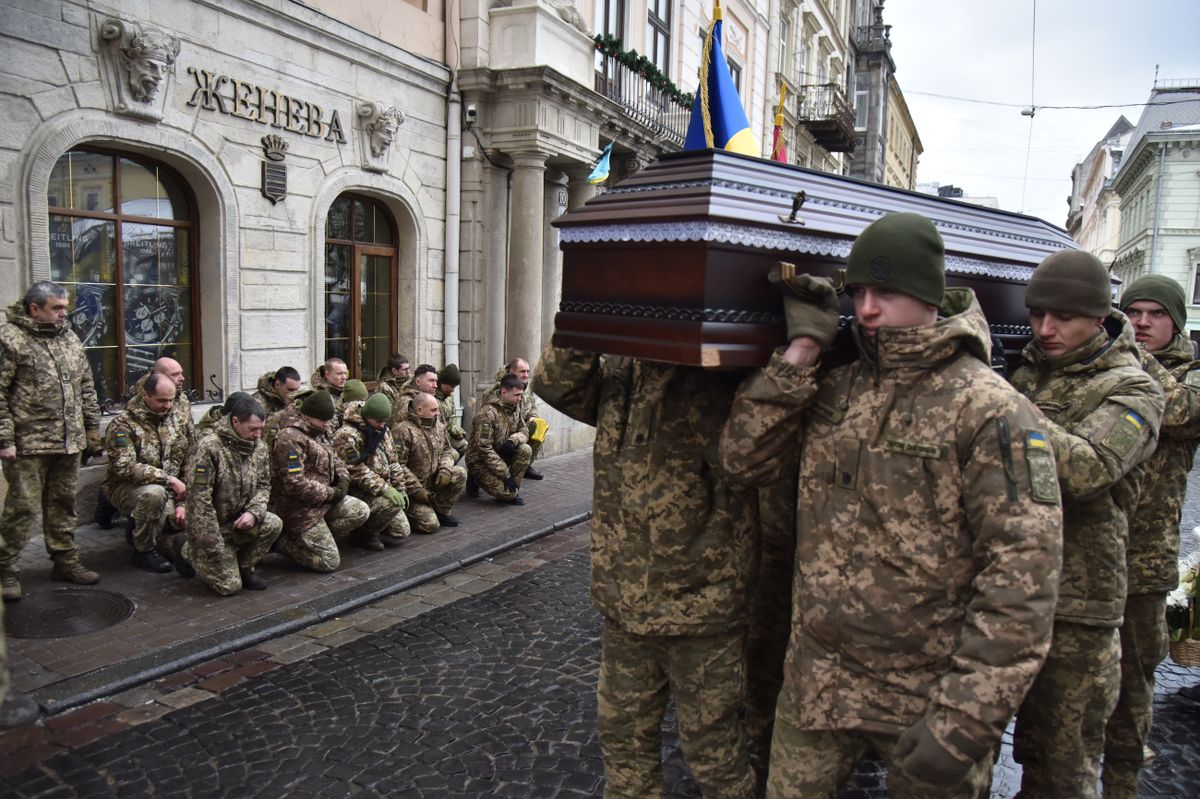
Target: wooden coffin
(671,264)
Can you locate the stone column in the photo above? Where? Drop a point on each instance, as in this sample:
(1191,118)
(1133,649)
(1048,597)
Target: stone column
(556,206)
(579,191)
(523,323)
(495,270)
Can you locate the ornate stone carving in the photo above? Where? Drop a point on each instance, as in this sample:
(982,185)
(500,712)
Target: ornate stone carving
(566,9)
(378,124)
(137,59)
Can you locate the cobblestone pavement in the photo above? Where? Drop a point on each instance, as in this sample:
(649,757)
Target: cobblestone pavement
(477,684)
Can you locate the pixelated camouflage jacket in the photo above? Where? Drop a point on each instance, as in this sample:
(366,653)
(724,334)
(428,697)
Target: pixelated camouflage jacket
(529,405)
(47,400)
(143,448)
(368,478)
(303,471)
(179,421)
(319,383)
(422,450)
(927,535)
(265,394)
(493,424)
(399,391)
(672,545)
(1104,413)
(210,419)
(1153,554)
(454,432)
(226,476)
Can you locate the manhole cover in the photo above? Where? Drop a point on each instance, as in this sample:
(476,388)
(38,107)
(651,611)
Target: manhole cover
(64,612)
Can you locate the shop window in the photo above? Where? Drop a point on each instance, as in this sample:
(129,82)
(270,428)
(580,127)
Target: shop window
(123,244)
(360,285)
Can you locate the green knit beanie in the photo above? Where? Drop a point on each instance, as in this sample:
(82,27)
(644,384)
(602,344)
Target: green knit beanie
(318,405)
(354,390)
(1070,281)
(1161,289)
(901,252)
(377,408)
(449,375)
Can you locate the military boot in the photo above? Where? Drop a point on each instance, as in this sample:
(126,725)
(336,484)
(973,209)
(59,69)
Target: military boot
(531,474)
(472,487)
(446,520)
(371,541)
(105,511)
(68,568)
(391,540)
(252,581)
(11,586)
(182,566)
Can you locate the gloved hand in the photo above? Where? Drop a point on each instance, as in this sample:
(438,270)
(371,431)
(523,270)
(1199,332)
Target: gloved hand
(95,445)
(507,450)
(444,478)
(339,490)
(396,497)
(923,757)
(511,484)
(810,306)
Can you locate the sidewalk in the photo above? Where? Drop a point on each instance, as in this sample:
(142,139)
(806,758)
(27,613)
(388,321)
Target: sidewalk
(178,623)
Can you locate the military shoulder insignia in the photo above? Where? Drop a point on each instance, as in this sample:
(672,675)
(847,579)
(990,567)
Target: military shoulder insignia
(120,439)
(200,475)
(1125,433)
(1192,378)
(485,430)
(294,466)
(920,449)
(1039,462)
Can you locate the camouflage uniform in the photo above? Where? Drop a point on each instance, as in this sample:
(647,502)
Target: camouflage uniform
(227,476)
(529,405)
(1104,414)
(368,479)
(927,550)
(177,424)
(318,383)
(303,471)
(394,388)
(210,420)
(456,437)
(672,555)
(265,394)
(48,409)
(144,450)
(495,423)
(1152,558)
(433,482)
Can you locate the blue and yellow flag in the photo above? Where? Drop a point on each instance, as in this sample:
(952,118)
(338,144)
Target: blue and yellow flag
(600,171)
(718,119)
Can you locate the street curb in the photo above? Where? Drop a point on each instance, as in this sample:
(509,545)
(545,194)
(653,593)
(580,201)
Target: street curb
(117,677)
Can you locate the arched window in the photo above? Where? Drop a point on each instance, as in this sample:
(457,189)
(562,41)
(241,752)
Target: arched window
(123,243)
(360,284)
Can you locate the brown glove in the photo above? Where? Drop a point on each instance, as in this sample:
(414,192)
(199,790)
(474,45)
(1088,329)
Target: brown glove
(810,304)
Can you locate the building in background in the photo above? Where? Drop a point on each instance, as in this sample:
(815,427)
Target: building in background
(1094,215)
(952,192)
(1158,182)
(903,142)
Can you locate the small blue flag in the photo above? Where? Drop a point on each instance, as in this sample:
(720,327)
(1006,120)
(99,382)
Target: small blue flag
(718,119)
(600,171)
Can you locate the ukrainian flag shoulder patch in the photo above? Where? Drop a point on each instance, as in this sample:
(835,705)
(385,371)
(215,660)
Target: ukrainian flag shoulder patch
(1036,440)
(293,463)
(1125,433)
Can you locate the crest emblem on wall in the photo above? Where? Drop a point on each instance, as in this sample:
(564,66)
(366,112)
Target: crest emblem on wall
(274,171)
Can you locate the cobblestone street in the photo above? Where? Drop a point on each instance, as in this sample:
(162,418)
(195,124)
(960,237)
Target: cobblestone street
(478,684)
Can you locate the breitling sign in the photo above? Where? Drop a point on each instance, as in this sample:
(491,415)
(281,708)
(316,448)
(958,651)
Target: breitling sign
(239,98)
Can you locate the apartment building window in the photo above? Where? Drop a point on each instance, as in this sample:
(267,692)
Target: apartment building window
(1195,284)
(862,97)
(735,72)
(610,18)
(785,42)
(658,34)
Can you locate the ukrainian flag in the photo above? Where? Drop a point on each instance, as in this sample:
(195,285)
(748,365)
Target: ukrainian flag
(718,120)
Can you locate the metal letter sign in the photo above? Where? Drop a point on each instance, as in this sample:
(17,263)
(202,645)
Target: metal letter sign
(274,172)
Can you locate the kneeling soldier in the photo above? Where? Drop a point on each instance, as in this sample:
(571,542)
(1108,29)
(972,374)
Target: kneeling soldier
(434,482)
(145,456)
(229,484)
(364,444)
(309,486)
(499,452)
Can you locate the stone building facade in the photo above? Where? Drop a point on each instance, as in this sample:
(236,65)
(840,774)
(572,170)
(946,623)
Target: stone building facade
(904,146)
(1094,215)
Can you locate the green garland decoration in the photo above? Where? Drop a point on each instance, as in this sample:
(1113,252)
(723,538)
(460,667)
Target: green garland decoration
(611,46)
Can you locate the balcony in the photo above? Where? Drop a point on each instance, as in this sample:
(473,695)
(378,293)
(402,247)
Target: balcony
(873,37)
(655,108)
(822,108)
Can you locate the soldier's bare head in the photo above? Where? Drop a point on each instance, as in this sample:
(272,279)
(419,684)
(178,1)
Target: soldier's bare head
(425,378)
(336,372)
(399,365)
(172,369)
(511,389)
(518,367)
(286,380)
(247,417)
(158,393)
(425,406)
(46,302)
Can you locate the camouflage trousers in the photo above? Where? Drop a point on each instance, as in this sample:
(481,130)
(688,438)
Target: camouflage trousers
(220,560)
(1143,647)
(316,547)
(152,508)
(385,519)
(1059,735)
(815,764)
(40,488)
(441,500)
(493,483)
(706,676)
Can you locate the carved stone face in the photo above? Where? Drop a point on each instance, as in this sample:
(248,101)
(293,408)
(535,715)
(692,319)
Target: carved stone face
(145,76)
(382,134)
(147,58)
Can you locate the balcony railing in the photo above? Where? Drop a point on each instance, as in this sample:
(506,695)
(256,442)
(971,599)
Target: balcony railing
(822,108)
(641,101)
(877,34)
